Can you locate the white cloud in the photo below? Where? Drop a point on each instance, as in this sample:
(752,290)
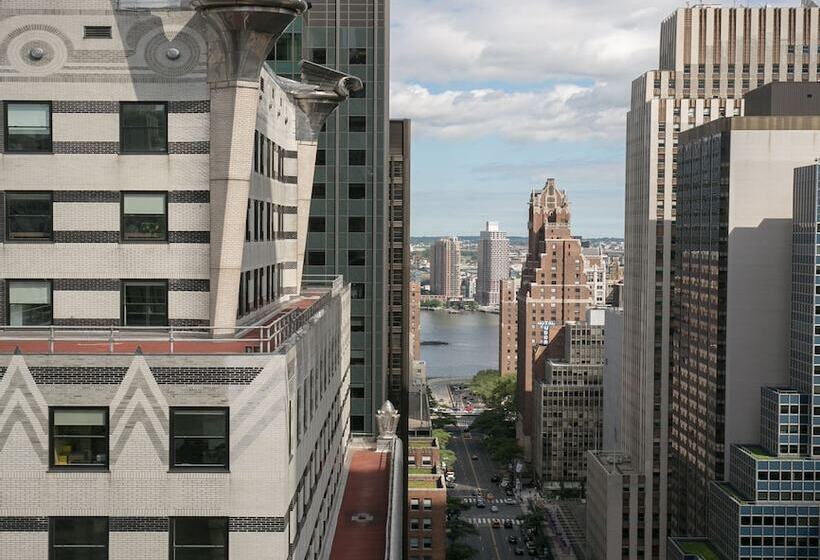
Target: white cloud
(560,112)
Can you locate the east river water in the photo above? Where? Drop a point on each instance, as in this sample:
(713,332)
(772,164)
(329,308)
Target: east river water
(472,343)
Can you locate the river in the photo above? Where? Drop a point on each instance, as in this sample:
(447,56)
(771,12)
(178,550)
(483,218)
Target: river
(472,343)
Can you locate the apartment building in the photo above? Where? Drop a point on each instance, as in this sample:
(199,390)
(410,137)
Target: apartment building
(493,264)
(427,501)
(445,267)
(709,57)
(172,383)
(554,290)
(507,328)
(349,233)
(415,321)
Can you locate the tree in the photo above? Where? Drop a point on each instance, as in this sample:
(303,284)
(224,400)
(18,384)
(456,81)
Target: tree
(457,529)
(455,507)
(431,303)
(448,457)
(443,419)
(460,551)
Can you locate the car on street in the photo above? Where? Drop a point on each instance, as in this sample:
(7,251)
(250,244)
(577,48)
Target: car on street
(519,551)
(465,501)
(474,457)
(477,492)
(508,524)
(496,524)
(509,492)
(480,504)
(510,501)
(490,496)
(451,485)
(495,479)
(494,509)
(512,539)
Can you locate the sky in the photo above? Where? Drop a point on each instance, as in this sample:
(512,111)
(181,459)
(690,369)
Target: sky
(504,94)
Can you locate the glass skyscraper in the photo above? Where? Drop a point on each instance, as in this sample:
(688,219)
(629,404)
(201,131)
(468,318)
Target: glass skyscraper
(348,212)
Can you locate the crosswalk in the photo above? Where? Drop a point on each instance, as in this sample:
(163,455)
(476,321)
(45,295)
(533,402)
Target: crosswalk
(474,499)
(489,520)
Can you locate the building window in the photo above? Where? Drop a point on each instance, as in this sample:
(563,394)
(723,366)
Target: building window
(144,216)
(358,56)
(357,124)
(414,544)
(356,224)
(357,290)
(199,438)
(143,128)
(357,392)
(356,257)
(319,191)
(357,324)
(356,191)
(427,503)
(316,258)
(356,423)
(78,437)
(414,504)
(428,524)
(29,216)
(319,56)
(199,538)
(144,303)
(414,524)
(356,157)
(72,538)
(29,303)
(28,127)
(321,157)
(316,224)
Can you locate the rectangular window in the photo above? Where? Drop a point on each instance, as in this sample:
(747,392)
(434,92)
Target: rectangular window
(357,324)
(356,423)
(321,157)
(356,124)
(143,128)
(144,216)
(28,127)
(358,56)
(356,257)
(78,437)
(316,224)
(199,438)
(319,191)
(315,258)
(199,538)
(356,157)
(356,224)
(356,191)
(144,303)
(357,290)
(319,56)
(357,392)
(427,503)
(74,538)
(29,303)
(29,216)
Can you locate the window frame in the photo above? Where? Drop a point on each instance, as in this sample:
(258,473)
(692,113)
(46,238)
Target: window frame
(6,216)
(124,283)
(51,530)
(10,281)
(123,152)
(172,532)
(52,467)
(123,239)
(6,104)
(199,468)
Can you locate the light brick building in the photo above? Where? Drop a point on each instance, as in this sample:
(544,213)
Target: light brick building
(169,380)
(493,264)
(445,267)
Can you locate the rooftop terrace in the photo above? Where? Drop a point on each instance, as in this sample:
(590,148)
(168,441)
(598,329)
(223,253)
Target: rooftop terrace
(265,337)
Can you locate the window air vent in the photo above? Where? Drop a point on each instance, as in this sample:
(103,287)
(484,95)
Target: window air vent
(97,32)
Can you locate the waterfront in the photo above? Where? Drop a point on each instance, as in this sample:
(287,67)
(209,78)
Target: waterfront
(472,339)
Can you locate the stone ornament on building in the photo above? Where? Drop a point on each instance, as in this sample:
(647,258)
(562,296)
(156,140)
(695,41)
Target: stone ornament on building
(36,49)
(387,420)
(173,57)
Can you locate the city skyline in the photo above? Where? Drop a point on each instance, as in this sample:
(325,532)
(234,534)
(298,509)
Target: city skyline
(555,106)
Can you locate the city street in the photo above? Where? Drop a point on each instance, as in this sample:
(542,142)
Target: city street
(476,474)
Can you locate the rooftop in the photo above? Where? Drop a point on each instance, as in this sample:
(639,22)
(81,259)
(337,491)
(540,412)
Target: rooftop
(700,548)
(362,524)
(266,336)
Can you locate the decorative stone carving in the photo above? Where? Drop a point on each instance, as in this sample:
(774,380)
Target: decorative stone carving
(36,49)
(387,420)
(173,57)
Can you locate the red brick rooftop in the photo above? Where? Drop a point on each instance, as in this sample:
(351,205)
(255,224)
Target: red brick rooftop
(367,492)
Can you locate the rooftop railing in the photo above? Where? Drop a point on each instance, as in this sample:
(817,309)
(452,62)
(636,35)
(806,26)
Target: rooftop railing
(265,337)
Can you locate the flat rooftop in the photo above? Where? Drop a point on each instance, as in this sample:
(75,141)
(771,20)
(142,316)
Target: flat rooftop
(264,337)
(361,529)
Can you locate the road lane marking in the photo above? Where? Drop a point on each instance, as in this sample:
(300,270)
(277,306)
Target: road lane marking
(475,477)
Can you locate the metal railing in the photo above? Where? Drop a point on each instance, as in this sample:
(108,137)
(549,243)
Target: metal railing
(282,323)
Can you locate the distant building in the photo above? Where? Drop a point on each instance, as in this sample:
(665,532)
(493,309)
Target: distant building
(613,350)
(493,263)
(415,321)
(554,290)
(468,287)
(445,267)
(568,418)
(507,328)
(595,267)
(426,500)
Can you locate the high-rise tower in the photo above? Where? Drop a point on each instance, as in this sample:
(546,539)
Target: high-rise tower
(493,264)
(348,214)
(445,267)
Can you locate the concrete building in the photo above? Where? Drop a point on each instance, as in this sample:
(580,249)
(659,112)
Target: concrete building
(399,301)
(613,373)
(493,264)
(709,57)
(415,321)
(568,419)
(427,501)
(445,267)
(171,382)
(469,285)
(507,328)
(770,505)
(596,266)
(350,198)
(554,290)
(734,274)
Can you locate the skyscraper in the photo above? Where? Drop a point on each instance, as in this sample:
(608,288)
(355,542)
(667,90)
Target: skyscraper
(445,267)
(349,210)
(553,290)
(709,57)
(507,328)
(493,263)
